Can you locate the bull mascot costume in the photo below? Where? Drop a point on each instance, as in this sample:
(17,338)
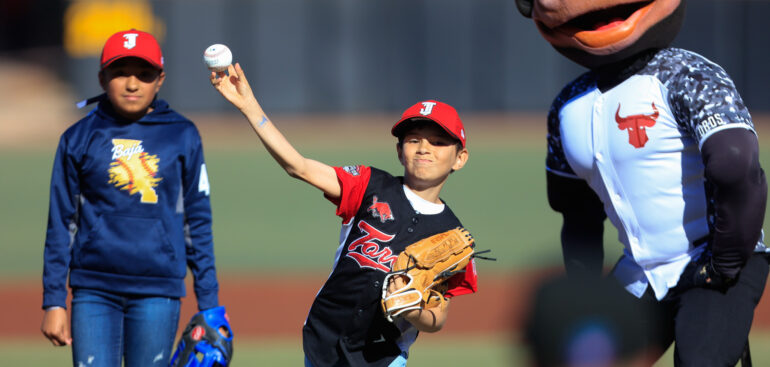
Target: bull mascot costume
(658,140)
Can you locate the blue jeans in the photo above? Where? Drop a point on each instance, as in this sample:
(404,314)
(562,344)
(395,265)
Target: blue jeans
(107,327)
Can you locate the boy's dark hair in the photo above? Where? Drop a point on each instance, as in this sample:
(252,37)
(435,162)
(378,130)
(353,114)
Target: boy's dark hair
(125,60)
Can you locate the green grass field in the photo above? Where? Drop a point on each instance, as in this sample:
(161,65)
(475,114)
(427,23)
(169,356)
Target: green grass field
(265,221)
(486,351)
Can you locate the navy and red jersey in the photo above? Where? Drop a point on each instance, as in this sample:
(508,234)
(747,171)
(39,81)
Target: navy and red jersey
(380,218)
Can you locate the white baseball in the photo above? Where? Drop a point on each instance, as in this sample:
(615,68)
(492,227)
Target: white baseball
(217,57)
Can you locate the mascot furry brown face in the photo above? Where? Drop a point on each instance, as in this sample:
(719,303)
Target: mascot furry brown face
(596,33)
(657,140)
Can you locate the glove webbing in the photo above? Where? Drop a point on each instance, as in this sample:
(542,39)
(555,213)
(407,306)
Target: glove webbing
(476,255)
(448,273)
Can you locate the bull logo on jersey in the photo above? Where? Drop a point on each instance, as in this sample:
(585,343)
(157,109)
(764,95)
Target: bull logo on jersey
(637,126)
(381,210)
(133,170)
(368,253)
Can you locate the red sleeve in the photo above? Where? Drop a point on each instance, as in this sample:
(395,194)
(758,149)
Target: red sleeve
(353,182)
(463,283)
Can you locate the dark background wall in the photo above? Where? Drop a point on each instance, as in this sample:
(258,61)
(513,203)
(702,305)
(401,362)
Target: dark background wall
(308,56)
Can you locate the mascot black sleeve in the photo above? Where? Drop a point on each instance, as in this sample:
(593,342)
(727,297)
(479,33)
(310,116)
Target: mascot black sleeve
(583,228)
(739,190)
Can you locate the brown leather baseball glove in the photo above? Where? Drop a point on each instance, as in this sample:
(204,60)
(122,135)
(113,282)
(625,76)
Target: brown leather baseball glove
(426,264)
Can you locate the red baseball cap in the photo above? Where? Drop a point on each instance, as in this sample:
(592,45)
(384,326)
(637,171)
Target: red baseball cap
(132,43)
(439,112)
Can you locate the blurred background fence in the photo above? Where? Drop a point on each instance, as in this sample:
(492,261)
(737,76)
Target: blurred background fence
(351,56)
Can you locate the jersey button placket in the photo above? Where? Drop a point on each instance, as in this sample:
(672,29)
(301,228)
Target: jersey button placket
(633,242)
(604,170)
(602,125)
(598,137)
(598,140)
(414,223)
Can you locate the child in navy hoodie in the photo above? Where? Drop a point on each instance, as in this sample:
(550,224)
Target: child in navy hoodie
(129,212)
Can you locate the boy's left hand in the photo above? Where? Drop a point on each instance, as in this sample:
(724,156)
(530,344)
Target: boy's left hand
(428,319)
(55,326)
(395,283)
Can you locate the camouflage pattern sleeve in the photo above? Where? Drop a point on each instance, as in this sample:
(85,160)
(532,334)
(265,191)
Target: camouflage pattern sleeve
(703,97)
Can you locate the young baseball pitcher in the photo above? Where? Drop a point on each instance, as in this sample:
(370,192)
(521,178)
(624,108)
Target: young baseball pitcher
(381,215)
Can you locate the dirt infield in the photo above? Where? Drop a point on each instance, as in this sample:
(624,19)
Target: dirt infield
(261,306)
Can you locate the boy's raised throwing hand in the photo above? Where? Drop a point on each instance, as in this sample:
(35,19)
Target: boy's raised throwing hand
(234,86)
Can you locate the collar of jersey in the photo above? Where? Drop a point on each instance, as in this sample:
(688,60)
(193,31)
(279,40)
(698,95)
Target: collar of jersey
(421,205)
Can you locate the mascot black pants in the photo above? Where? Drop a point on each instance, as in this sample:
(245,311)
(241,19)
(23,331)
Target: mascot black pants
(709,327)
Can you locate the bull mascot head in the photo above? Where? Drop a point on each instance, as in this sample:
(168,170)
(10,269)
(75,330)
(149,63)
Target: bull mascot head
(601,32)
